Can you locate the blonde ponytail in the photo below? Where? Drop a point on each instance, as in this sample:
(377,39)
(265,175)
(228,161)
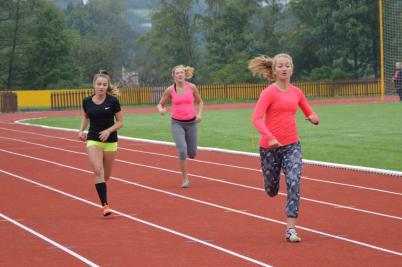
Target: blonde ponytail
(262,66)
(188,71)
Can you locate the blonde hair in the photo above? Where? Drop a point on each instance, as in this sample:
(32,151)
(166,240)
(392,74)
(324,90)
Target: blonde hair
(188,71)
(264,66)
(111,90)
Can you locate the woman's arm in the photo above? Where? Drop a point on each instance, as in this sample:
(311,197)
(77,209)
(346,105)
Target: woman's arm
(84,124)
(311,116)
(198,102)
(258,117)
(165,97)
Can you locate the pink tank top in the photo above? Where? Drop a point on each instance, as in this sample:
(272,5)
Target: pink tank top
(183,105)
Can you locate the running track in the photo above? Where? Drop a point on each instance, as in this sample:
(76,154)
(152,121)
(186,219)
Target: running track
(49,213)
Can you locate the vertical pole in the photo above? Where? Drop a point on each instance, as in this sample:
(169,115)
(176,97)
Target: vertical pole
(382,85)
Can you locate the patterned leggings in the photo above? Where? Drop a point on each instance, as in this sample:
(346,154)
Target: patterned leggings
(289,159)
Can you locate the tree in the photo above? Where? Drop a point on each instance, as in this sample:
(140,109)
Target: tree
(49,57)
(334,39)
(105,38)
(170,42)
(228,33)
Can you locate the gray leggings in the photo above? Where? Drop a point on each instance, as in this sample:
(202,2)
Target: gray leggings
(185,136)
(289,159)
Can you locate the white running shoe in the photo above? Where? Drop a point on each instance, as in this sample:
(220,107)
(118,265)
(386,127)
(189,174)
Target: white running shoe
(186,183)
(291,235)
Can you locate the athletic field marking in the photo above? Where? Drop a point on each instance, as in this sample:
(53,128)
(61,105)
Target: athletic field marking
(234,152)
(214,179)
(208,204)
(218,164)
(141,221)
(54,243)
(259,171)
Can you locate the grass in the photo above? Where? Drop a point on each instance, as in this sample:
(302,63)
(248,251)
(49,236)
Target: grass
(360,134)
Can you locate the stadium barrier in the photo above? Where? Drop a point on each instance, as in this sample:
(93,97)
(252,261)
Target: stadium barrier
(72,99)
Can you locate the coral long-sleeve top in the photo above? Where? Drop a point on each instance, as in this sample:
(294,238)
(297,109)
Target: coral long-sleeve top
(275,114)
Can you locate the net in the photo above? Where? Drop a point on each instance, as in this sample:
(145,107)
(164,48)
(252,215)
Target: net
(392,40)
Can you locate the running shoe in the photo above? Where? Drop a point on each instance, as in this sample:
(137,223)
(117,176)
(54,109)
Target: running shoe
(186,183)
(106,210)
(291,235)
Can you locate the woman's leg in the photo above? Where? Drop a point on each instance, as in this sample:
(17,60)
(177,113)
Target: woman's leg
(191,131)
(292,167)
(179,138)
(271,169)
(95,155)
(108,159)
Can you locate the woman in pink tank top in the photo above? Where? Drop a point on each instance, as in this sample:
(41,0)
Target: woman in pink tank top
(275,118)
(187,108)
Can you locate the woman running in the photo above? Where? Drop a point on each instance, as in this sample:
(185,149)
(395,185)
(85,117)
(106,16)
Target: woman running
(275,118)
(187,108)
(103,114)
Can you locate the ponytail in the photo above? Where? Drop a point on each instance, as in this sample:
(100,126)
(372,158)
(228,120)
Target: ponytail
(262,66)
(188,71)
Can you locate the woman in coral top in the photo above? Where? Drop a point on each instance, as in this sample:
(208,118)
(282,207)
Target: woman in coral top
(275,118)
(187,108)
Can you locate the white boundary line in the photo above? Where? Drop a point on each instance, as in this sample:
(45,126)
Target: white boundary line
(54,243)
(306,161)
(227,251)
(259,171)
(212,163)
(205,203)
(212,179)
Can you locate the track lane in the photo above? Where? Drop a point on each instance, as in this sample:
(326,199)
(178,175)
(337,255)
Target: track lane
(113,241)
(373,202)
(264,201)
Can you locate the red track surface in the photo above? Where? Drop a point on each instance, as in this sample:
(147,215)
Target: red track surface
(45,181)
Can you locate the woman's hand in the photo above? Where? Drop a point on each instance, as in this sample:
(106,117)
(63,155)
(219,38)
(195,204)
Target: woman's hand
(82,136)
(274,143)
(198,118)
(313,118)
(161,109)
(104,135)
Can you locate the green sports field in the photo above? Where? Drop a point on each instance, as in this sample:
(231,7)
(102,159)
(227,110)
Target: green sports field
(367,135)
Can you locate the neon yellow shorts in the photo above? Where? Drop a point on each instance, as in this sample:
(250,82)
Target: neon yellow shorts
(107,147)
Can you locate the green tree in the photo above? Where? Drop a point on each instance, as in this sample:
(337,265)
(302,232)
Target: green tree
(170,42)
(334,39)
(105,37)
(229,38)
(49,56)
(15,38)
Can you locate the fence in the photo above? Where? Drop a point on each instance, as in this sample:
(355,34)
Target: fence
(151,95)
(8,102)
(341,88)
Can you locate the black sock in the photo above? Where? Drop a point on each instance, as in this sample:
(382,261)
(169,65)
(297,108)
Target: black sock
(101,189)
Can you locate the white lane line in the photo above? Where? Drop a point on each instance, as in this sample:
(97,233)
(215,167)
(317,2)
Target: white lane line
(217,180)
(259,171)
(219,164)
(194,239)
(234,152)
(54,243)
(212,204)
